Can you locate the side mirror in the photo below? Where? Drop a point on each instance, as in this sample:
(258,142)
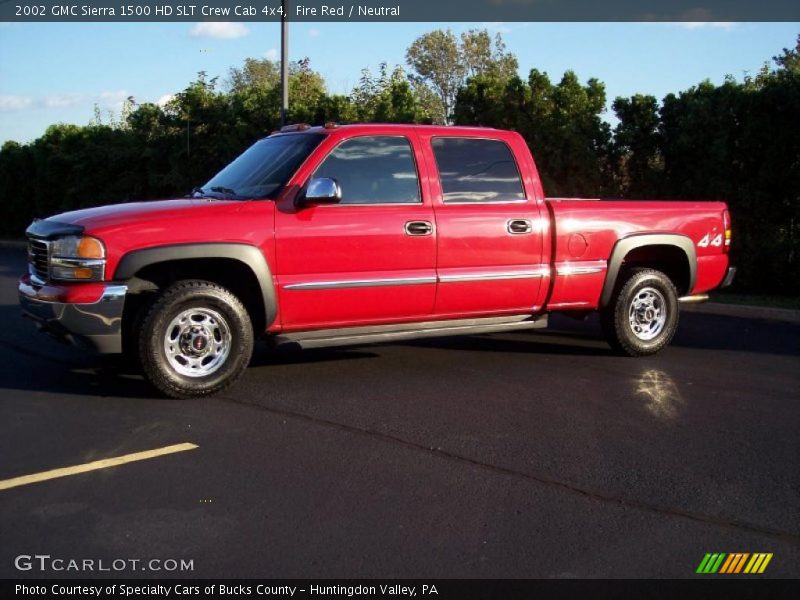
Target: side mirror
(322,190)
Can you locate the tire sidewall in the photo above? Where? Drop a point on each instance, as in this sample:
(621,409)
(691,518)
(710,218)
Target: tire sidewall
(625,335)
(154,328)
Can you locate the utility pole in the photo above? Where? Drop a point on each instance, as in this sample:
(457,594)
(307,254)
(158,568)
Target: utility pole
(284,61)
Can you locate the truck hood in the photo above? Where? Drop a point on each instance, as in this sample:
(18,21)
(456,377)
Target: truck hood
(114,216)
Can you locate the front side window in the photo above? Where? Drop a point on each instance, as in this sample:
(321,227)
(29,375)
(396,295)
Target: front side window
(373,170)
(477,170)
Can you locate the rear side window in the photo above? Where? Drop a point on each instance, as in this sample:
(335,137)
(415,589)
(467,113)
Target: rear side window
(477,170)
(373,170)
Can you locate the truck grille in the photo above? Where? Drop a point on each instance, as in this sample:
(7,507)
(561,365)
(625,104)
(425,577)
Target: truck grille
(38,251)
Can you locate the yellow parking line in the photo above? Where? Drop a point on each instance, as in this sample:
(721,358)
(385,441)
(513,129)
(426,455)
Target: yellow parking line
(94,466)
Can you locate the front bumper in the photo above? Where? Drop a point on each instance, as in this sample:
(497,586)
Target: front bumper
(96,325)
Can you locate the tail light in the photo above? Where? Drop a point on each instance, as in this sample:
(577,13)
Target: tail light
(726,223)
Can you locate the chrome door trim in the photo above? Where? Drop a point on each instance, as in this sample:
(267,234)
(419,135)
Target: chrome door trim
(357,283)
(496,275)
(581,269)
(482,202)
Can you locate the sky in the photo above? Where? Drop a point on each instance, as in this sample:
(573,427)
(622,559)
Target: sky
(55,72)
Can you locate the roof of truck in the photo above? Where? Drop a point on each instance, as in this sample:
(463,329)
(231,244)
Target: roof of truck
(332,127)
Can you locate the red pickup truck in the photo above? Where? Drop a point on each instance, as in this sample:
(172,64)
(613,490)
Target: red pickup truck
(334,235)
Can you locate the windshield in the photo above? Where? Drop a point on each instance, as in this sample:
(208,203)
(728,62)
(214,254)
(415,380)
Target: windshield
(264,168)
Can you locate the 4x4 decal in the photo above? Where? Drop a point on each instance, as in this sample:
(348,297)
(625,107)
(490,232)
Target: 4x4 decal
(709,241)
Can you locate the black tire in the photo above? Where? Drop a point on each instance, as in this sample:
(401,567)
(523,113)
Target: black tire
(136,308)
(650,290)
(212,344)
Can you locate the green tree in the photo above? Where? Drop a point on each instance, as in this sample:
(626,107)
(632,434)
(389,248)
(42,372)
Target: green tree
(438,62)
(389,98)
(443,62)
(561,123)
(637,142)
(483,56)
(254,73)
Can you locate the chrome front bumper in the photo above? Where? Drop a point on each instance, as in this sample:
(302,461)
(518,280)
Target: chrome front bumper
(97,325)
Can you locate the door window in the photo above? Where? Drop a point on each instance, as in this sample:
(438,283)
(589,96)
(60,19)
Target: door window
(373,170)
(477,170)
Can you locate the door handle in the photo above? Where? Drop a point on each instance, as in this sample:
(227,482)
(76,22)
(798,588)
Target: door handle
(519,226)
(419,228)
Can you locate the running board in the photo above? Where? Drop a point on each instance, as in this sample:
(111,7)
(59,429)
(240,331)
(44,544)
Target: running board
(696,299)
(349,336)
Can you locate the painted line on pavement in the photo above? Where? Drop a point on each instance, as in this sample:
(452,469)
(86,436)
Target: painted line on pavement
(94,466)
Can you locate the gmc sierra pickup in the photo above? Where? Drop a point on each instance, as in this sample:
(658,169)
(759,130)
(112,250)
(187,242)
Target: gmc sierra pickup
(334,235)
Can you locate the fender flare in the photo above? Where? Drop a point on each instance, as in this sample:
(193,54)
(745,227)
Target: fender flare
(624,246)
(132,262)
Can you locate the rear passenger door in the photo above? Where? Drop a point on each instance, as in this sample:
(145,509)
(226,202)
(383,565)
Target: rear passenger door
(489,241)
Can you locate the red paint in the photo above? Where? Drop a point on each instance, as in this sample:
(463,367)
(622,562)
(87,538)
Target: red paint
(362,242)
(83,293)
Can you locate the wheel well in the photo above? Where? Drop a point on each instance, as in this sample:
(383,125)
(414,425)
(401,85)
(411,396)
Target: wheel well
(670,260)
(232,274)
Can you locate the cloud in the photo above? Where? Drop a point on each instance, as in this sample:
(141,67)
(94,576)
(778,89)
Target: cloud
(109,100)
(112,100)
(498,27)
(694,18)
(271,54)
(62,100)
(313,32)
(9,103)
(165,99)
(223,30)
(725,25)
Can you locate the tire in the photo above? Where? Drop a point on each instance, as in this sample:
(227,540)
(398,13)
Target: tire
(195,340)
(643,315)
(131,326)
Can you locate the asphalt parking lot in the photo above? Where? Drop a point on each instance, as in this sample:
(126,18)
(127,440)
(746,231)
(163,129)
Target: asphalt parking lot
(511,455)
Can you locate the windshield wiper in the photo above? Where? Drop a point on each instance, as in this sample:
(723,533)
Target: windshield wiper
(228,192)
(219,193)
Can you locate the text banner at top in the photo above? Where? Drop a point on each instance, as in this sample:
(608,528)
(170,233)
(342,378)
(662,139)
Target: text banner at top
(400,10)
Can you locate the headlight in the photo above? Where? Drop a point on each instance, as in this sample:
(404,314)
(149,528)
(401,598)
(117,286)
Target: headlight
(77,258)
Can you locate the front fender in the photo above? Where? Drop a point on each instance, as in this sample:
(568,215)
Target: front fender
(132,262)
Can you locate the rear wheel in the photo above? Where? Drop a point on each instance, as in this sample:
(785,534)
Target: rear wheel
(195,340)
(642,316)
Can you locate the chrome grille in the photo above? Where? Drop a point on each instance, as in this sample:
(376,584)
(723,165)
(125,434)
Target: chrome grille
(38,251)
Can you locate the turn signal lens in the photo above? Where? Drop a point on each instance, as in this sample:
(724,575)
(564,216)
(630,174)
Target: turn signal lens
(76,258)
(726,223)
(89,247)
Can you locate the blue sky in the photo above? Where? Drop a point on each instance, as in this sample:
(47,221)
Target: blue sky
(57,72)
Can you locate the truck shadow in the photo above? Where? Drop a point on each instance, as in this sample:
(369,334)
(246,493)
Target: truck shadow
(33,362)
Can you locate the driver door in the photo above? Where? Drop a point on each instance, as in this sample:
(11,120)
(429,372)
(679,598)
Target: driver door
(371,257)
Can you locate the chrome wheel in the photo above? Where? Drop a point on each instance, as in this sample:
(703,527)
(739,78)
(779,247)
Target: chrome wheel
(647,313)
(197,342)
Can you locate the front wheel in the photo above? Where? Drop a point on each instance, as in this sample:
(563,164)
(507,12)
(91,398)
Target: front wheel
(195,340)
(643,313)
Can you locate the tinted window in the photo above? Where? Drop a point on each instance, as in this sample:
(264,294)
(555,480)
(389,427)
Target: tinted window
(373,170)
(265,167)
(475,170)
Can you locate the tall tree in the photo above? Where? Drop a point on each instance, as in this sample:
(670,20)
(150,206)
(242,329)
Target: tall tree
(443,62)
(255,72)
(438,62)
(483,56)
